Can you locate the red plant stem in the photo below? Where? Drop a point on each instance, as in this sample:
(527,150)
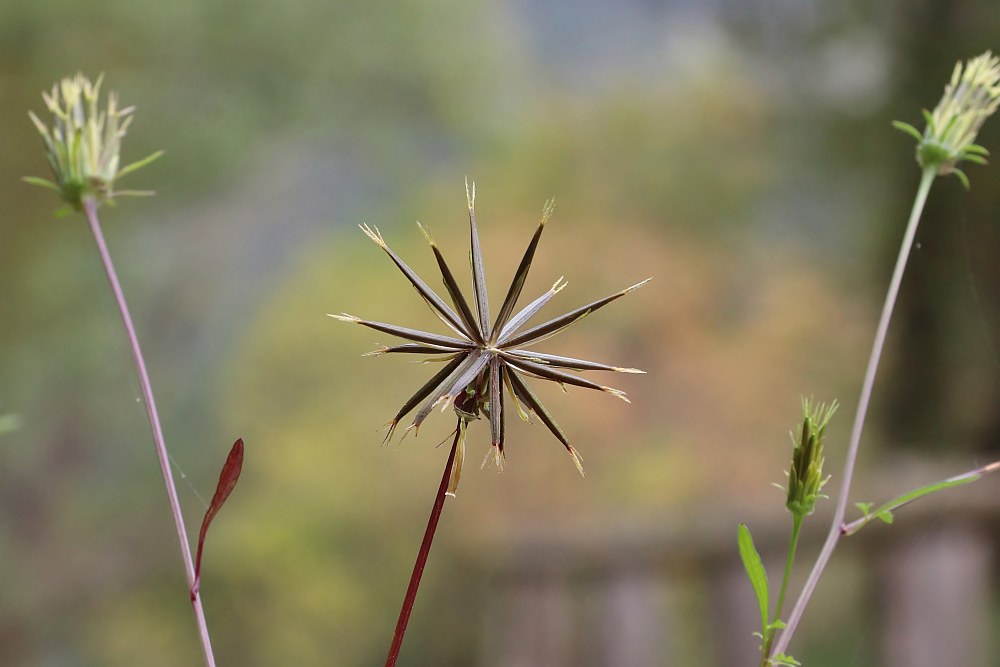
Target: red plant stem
(418,566)
(90,209)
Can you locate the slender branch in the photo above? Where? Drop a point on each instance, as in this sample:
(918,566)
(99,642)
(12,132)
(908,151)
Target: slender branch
(425,549)
(836,526)
(916,494)
(90,209)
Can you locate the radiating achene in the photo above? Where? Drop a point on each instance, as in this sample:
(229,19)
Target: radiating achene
(482,357)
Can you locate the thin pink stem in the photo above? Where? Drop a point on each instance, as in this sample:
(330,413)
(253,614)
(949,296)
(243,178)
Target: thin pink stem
(90,209)
(837,525)
(425,549)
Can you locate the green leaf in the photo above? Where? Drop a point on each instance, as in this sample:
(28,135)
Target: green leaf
(866,508)
(908,129)
(138,164)
(885,516)
(929,120)
(42,182)
(910,496)
(783,660)
(755,572)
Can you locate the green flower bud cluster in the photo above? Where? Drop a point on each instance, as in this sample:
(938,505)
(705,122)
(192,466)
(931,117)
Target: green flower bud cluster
(971,97)
(805,477)
(83,144)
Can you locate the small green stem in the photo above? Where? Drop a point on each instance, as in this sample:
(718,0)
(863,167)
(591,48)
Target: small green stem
(765,654)
(796,528)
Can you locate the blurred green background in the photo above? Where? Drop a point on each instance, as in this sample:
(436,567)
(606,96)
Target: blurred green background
(738,152)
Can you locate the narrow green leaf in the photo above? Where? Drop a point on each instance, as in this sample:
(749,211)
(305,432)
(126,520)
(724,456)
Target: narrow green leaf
(910,496)
(908,129)
(929,119)
(139,164)
(784,660)
(755,572)
(133,193)
(885,511)
(42,182)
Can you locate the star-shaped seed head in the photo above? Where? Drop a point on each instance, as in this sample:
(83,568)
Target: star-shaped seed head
(484,359)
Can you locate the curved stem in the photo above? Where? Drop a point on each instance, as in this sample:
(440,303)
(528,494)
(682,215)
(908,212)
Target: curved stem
(425,549)
(836,526)
(90,209)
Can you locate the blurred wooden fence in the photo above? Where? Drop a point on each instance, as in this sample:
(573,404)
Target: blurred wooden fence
(922,592)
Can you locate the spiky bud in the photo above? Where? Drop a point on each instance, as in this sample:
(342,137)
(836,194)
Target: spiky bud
(805,476)
(83,144)
(971,97)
